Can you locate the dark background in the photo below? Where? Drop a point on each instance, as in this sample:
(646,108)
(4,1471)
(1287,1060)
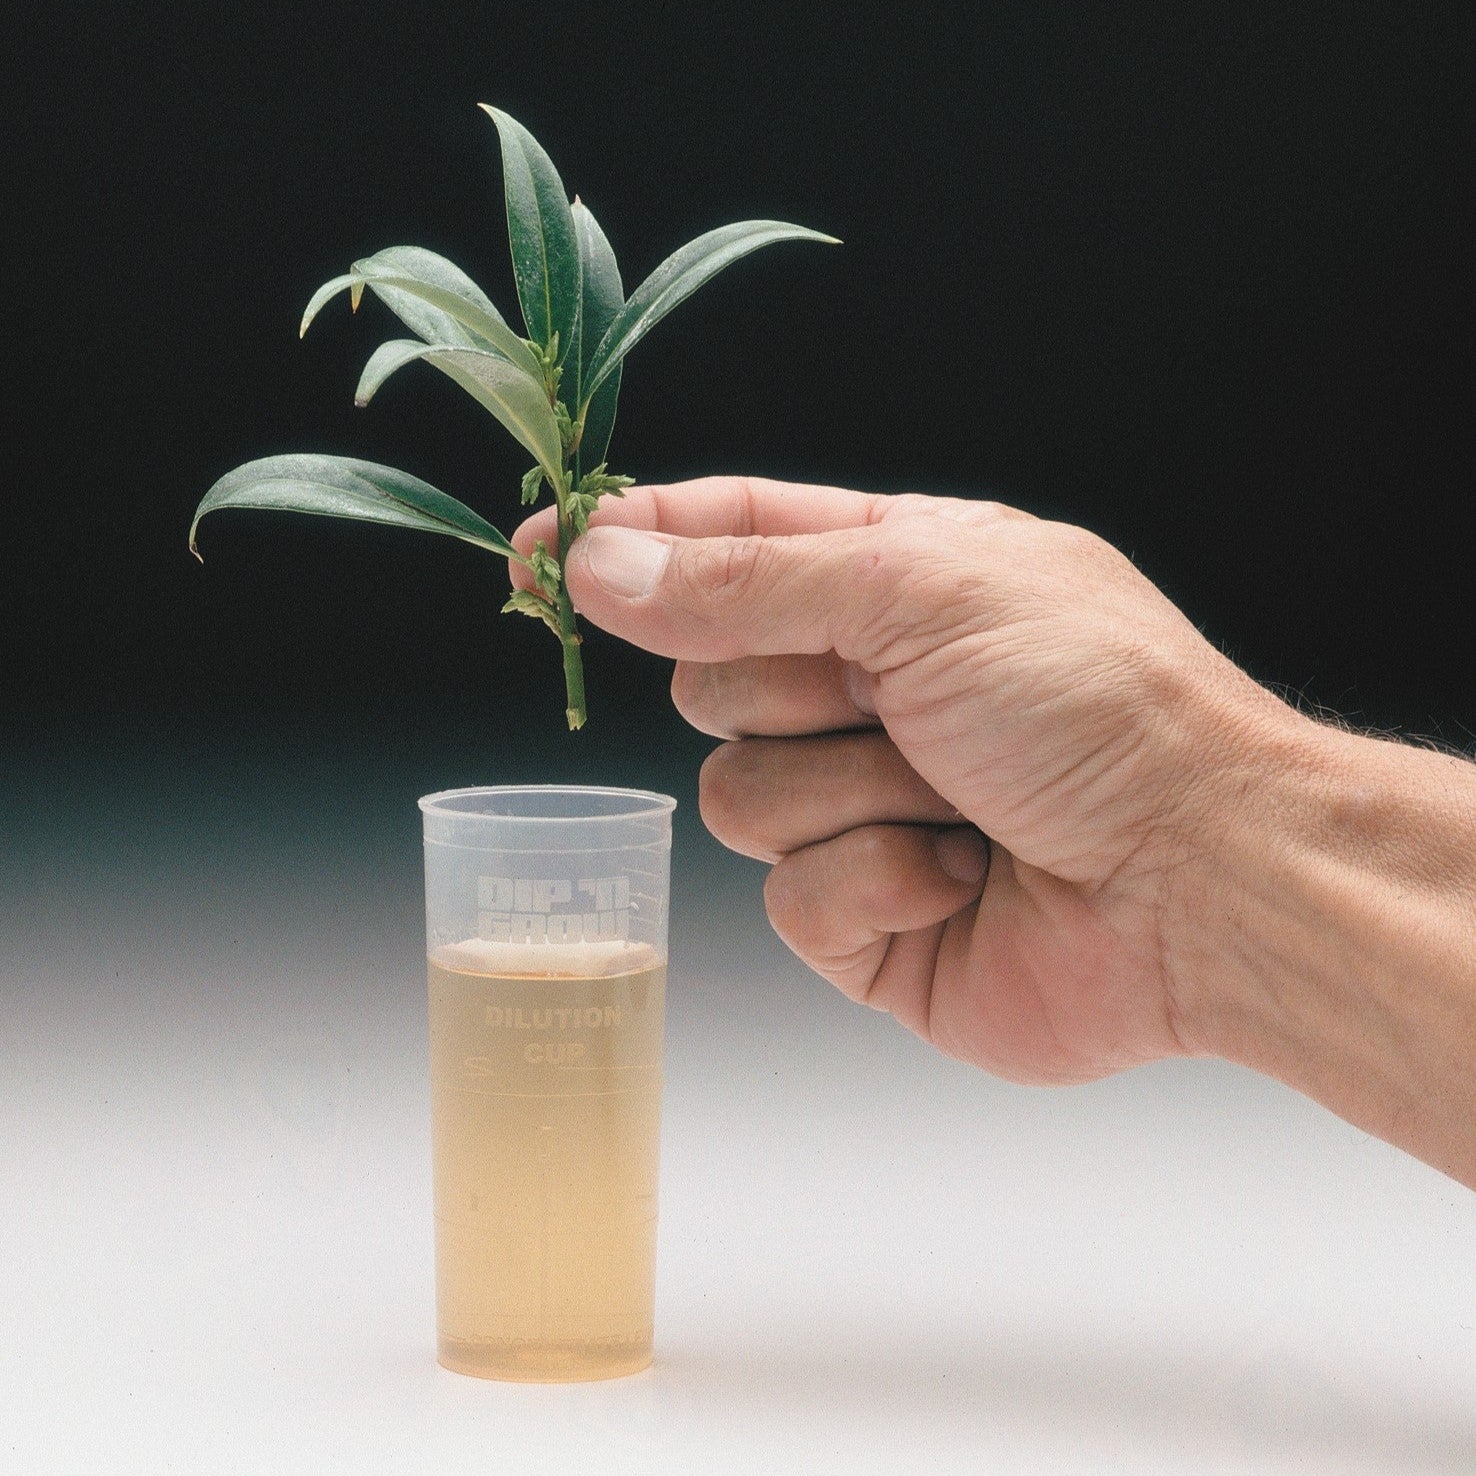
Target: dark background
(1198,278)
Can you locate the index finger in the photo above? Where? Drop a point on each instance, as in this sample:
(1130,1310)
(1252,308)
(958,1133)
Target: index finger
(711,507)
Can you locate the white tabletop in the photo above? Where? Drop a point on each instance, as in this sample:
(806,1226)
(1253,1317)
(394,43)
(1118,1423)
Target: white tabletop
(217,1248)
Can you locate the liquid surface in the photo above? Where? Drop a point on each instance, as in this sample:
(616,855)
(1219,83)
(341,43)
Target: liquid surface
(546,1115)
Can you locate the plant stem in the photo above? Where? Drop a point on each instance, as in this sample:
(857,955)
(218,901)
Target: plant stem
(569,634)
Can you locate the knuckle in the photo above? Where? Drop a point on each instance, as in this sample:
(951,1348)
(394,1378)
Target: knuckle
(687,679)
(746,492)
(819,928)
(906,591)
(724,790)
(691,694)
(873,864)
(990,511)
(870,848)
(789,907)
(778,900)
(977,512)
(916,504)
(1089,548)
(721,566)
(717,697)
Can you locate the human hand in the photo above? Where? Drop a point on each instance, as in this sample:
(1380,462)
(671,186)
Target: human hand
(900,677)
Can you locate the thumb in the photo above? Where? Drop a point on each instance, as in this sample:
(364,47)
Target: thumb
(716,599)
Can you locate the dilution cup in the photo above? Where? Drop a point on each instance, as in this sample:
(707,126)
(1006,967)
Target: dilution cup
(546,913)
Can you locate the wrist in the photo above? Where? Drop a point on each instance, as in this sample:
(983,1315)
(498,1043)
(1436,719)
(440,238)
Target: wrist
(1332,937)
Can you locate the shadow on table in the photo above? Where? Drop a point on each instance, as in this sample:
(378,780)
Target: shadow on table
(1066,1390)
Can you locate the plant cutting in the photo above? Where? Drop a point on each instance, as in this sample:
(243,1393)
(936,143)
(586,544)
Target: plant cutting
(554,388)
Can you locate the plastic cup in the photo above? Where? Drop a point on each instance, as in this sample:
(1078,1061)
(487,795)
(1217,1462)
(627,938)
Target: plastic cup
(546,942)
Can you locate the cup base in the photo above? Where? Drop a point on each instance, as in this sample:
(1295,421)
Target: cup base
(543,1363)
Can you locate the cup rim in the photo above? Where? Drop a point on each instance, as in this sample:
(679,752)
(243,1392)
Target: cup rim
(645,803)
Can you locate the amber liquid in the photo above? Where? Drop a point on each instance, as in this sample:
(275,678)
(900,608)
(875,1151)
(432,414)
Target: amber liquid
(546,1114)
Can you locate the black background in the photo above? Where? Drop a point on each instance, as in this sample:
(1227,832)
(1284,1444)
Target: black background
(1196,278)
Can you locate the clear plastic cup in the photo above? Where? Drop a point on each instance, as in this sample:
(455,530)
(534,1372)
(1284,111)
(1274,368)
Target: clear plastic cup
(546,941)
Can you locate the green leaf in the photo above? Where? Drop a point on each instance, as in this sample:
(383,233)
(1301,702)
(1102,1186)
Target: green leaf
(540,230)
(325,294)
(433,298)
(677,278)
(516,400)
(525,602)
(545,569)
(604,296)
(339,487)
(579,506)
(446,294)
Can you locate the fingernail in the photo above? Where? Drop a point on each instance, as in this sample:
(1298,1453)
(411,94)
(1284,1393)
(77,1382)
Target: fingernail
(964,855)
(860,687)
(626,563)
